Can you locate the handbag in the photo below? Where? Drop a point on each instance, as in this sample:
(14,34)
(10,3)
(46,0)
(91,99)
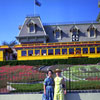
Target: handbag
(44,97)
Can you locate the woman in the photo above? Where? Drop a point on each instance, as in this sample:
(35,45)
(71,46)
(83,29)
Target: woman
(48,87)
(60,87)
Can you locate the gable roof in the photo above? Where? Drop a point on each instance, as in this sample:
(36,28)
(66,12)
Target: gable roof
(92,26)
(74,27)
(57,28)
(30,22)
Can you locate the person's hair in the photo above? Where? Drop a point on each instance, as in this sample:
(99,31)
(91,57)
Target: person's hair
(49,71)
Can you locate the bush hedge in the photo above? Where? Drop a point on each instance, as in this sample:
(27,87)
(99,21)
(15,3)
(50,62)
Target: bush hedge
(72,61)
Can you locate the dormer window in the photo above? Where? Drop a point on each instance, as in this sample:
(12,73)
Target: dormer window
(31,26)
(57,33)
(92,31)
(75,33)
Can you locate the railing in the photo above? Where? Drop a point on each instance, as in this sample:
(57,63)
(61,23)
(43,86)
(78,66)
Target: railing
(21,79)
(57,44)
(33,15)
(76,22)
(82,78)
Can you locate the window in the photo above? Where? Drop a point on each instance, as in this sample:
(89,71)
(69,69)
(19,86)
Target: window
(71,51)
(37,52)
(92,50)
(78,50)
(57,51)
(50,51)
(75,33)
(23,53)
(85,50)
(75,37)
(57,34)
(98,49)
(92,33)
(30,52)
(44,52)
(31,28)
(64,51)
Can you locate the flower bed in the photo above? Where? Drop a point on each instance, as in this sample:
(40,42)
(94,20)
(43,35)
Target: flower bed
(20,74)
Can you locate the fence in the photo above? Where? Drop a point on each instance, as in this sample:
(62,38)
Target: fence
(82,79)
(21,79)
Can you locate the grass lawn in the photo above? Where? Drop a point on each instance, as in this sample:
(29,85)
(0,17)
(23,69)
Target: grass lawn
(82,77)
(28,87)
(78,85)
(83,85)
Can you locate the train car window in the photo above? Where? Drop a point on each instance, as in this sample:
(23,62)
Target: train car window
(23,53)
(57,51)
(30,52)
(98,49)
(37,52)
(44,52)
(92,50)
(64,51)
(71,50)
(50,51)
(85,50)
(78,50)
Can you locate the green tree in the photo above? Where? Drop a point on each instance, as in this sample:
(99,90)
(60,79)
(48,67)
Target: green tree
(10,44)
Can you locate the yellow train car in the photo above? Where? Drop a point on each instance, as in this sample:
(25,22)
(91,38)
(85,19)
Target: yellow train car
(65,50)
(3,52)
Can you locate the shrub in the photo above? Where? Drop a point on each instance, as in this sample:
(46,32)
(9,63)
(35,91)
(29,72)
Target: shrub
(72,61)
